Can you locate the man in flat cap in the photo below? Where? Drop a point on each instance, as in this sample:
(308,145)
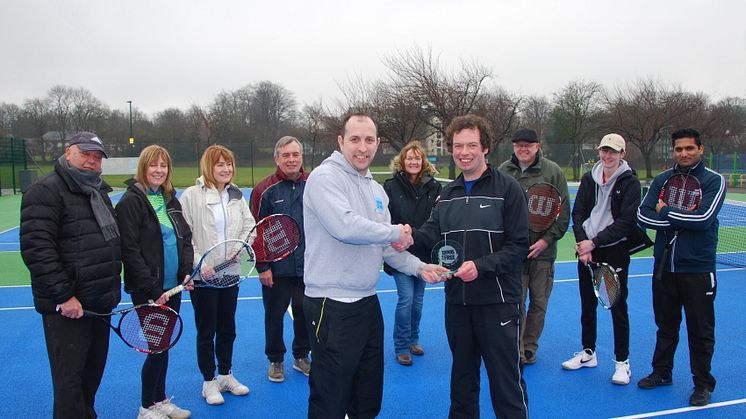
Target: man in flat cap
(528,166)
(70,244)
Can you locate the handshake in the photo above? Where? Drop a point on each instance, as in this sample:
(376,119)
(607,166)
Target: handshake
(405,238)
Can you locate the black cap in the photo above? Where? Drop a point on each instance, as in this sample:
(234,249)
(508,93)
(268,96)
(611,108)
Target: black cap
(86,141)
(525,134)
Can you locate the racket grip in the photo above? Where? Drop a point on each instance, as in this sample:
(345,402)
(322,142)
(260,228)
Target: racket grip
(175,290)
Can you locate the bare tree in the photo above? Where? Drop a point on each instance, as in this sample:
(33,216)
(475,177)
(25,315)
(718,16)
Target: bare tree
(502,110)
(575,105)
(170,126)
(272,109)
(35,122)
(442,95)
(9,115)
(87,113)
(644,112)
(60,100)
(536,113)
(199,125)
(399,116)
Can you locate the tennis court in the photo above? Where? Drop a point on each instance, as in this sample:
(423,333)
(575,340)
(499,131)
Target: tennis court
(409,392)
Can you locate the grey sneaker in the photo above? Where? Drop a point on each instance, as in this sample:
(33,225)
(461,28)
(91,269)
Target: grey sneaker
(276,372)
(303,365)
(229,383)
(170,410)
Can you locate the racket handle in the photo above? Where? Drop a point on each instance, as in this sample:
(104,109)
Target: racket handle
(175,290)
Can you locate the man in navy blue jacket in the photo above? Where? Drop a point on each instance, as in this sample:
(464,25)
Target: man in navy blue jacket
(282,281)
(687,277)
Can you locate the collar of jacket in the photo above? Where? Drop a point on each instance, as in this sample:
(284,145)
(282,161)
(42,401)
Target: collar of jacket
(487,173)
(536,163)
(282,176)
(697,169)
(138,187)
(211,194)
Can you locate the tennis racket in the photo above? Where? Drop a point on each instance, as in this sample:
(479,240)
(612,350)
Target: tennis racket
(146,328)
(544,206)
(605,283)
(223,265)
(277,236)
(682,192)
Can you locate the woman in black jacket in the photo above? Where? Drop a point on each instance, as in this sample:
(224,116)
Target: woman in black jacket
(605,224)
(157,255)
(412,194)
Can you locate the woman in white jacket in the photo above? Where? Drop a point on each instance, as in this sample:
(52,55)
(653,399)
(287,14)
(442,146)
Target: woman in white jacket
(216,210)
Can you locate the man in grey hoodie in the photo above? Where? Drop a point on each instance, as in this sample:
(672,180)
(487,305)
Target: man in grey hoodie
(348,235)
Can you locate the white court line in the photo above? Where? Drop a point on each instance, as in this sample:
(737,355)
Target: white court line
(12,228)
(290,310)
(682,409)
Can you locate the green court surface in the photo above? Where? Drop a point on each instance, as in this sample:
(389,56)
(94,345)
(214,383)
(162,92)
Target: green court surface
(14,272)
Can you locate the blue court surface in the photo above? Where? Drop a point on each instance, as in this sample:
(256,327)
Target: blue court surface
(419,391)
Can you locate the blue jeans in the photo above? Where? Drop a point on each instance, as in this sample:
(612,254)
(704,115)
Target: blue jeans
(411,291)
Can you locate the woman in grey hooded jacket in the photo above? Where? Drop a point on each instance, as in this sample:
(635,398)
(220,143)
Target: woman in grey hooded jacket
(604,219)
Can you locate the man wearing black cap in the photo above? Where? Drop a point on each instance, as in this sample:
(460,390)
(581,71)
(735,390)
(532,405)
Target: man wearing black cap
(70,244)
(528,166)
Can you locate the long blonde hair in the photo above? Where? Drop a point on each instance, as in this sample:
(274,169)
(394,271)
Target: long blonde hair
(397,163)
(148,155)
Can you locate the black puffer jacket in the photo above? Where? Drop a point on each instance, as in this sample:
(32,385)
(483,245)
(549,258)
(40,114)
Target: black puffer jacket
(410,204)
(142,241)
(64,249)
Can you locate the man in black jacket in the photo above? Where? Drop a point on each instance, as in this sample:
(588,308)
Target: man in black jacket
(485,211)
(70,244)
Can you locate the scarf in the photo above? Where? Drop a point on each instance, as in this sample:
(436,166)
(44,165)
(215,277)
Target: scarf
(89,182)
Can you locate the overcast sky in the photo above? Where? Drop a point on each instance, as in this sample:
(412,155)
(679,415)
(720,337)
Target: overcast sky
(163,53)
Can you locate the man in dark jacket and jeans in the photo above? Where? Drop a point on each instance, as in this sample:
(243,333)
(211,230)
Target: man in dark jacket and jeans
(485,211)
(282,281)
(70,244)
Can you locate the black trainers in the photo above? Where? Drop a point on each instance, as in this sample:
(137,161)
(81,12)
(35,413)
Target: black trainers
(654,380)
(700,397)
(530,357)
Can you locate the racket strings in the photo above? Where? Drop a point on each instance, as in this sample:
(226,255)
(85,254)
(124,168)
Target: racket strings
(682,192)
(608,286)
(544,206)
(150,328)
(277,237)
(231,270)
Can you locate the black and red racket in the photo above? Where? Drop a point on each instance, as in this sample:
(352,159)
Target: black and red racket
(682,192)
(147,328)
(277,236)
(605,283)
(544,206)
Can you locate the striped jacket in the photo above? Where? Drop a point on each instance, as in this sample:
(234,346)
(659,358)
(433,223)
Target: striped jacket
(693,249)
(491,224)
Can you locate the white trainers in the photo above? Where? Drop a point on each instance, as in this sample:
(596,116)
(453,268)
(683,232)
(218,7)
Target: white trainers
(211,392)
(229,383)
(171,410)
(585,358)
(150,413)
(622,373)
